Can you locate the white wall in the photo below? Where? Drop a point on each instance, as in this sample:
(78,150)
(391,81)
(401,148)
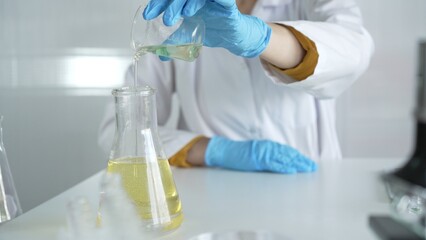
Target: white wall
(50,139)
(53,86)
(376,114)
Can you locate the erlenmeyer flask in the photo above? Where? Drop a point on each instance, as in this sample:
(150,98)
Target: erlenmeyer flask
(9,202)
(137,155)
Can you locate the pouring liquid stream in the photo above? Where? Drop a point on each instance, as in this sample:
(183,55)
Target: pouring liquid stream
(186,52)
(136,58)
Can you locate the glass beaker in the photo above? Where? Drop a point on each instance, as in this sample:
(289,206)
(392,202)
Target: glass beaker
(138,157)
(183,40)
(9,202)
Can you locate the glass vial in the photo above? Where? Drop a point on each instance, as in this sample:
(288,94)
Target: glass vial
(138,157)
(9,202)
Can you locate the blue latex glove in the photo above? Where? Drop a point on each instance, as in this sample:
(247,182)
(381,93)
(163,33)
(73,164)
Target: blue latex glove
(226,27)
(173,9)
(256,155)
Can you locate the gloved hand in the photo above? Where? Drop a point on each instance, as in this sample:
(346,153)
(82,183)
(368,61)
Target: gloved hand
(256,155)
(226,27)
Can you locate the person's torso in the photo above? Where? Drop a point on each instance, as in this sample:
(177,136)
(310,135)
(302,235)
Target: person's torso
(222,94)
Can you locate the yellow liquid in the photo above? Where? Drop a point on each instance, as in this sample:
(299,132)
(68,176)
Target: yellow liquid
(151,187)
(186,52)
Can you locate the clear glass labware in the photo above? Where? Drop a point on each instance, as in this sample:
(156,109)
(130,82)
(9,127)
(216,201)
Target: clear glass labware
(138,157)
(183,40)
(9,202)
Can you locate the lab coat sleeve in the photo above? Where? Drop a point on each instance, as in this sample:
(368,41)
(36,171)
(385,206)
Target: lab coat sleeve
(160,76)
(175,140)
(344,47)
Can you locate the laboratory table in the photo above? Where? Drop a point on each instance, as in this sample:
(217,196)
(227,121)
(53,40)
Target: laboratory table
(332,203)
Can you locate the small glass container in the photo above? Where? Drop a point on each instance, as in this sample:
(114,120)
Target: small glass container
(408,203)
(183,40)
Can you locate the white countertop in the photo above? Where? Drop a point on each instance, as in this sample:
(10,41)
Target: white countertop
(332,203)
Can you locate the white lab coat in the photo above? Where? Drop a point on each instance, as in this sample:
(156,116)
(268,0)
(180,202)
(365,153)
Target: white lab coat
(222,94)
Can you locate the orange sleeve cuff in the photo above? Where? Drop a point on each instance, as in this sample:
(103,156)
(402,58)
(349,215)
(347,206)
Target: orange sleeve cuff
(307,67)
(179,158)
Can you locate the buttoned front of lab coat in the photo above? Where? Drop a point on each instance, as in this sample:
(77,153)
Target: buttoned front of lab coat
(226,95)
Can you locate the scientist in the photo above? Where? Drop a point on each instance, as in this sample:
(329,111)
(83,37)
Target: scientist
(262,97)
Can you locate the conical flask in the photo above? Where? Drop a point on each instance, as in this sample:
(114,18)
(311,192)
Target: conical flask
(137,155)
(9,202)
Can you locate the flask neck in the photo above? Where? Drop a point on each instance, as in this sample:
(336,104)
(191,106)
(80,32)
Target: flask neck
(421,103)
(421,85)
(414,171)
(135,111)
(136,133)
(420,149)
